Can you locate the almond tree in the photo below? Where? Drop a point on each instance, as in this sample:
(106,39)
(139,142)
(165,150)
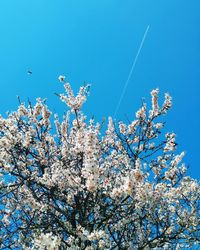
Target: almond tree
(79,189)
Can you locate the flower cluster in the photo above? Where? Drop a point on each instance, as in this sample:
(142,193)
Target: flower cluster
(74,102)
(46,241)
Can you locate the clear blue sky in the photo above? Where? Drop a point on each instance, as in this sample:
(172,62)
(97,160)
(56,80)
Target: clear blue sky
(96,41)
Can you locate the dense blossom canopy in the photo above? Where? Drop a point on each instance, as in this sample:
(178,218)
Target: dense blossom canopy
(81,188)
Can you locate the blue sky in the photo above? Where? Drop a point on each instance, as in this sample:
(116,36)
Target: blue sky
(96,41)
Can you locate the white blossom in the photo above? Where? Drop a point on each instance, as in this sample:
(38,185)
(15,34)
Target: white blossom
(71,183)
(61,78)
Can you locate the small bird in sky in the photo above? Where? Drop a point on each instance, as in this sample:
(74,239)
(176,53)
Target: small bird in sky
(29,72)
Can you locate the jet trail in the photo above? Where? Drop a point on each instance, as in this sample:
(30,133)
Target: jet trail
(132,68)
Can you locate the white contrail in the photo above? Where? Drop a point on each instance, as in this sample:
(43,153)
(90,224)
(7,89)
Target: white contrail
(132,68)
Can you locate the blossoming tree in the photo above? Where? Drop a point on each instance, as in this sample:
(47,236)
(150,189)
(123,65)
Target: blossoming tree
(78,189)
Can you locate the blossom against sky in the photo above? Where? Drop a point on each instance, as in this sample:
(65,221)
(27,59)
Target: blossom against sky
(96,42)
